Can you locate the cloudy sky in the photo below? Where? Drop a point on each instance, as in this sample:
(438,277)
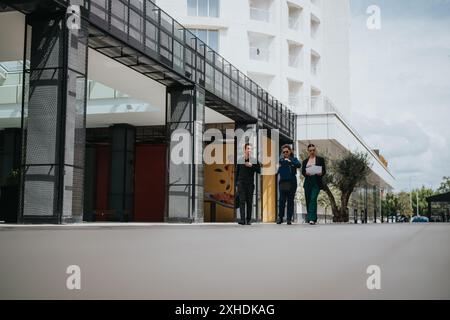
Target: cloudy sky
(401,86)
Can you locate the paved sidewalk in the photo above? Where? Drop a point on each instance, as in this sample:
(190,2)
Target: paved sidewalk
(223,261)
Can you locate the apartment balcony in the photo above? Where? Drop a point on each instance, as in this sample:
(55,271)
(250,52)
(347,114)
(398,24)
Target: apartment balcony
(319,105)
(295,61)
(260,14)
(294,23)
(294,100)
(315,70)
(315,26)
(295,16)
(316,3)
(259,54)
(319,120)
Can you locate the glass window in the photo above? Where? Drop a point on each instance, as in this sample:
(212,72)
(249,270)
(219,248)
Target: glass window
(192,7)
(214,8)
(203,8)
(203,35)
(210,37)
(213,39)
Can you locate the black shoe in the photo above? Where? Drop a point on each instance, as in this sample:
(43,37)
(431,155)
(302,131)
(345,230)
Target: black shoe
(249,223)
(289,223)
(280,221)
(242,223)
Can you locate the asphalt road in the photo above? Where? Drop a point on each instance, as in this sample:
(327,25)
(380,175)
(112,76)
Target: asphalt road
(225,261)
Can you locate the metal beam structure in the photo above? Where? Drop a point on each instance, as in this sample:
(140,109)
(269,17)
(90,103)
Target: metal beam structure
(144,37)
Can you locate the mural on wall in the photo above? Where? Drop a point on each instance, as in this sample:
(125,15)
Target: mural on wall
(219,200)
(219,193)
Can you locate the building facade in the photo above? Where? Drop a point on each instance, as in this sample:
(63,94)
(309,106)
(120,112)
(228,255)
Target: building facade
(99,145)
(300,51)
(95,98)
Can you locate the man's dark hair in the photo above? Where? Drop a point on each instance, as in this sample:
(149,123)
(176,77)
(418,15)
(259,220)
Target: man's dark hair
(311,146)
(247,145)
(286,146)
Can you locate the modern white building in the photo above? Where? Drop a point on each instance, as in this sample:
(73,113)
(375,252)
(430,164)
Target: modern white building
(298,50)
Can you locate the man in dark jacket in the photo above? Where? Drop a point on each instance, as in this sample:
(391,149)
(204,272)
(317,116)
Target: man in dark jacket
(245,183)
(287,173)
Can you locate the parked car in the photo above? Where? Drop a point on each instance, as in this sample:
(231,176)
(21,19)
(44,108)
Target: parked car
(420,219)
(402,219)
(392,219)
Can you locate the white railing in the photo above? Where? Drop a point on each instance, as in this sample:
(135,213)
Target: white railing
(294,23)
(294,60)
(321,104)
(259,14)
(314,69)
(294,100)
(314,32)
(258,53)
(316,2)
(318,105)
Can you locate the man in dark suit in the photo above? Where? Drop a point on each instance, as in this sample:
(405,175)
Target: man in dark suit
(245,183)
(313,183)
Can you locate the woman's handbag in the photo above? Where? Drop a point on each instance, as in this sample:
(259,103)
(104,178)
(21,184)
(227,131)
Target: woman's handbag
(285,186)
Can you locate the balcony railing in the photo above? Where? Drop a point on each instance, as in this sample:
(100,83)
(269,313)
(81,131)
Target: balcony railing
(314,32)
(294,23)
(259,14)
(294,61)
(317,105)
(320,105)
(261,54)
(314,69)
(294,100)
(182,58)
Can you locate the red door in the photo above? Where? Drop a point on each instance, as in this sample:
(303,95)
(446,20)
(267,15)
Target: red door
(150,183)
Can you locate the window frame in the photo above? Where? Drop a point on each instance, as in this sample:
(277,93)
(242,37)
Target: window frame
(195,31)
(208,9)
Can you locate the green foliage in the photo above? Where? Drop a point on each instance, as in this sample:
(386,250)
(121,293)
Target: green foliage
(350,171)
(405,203)
(344,174)
(389,205)
(445,186)
(421,195)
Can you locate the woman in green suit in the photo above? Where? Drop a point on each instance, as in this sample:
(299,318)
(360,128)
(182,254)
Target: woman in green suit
(313,183)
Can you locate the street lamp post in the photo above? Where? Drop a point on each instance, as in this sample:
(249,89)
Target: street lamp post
(410,196)
(417,202)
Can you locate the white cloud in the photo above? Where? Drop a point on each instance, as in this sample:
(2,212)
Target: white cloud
(401,94)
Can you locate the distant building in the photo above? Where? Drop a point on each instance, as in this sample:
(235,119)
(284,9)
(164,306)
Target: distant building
(299,50)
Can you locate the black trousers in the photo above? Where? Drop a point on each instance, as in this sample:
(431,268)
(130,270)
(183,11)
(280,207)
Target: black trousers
(289,197)
(245,191)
